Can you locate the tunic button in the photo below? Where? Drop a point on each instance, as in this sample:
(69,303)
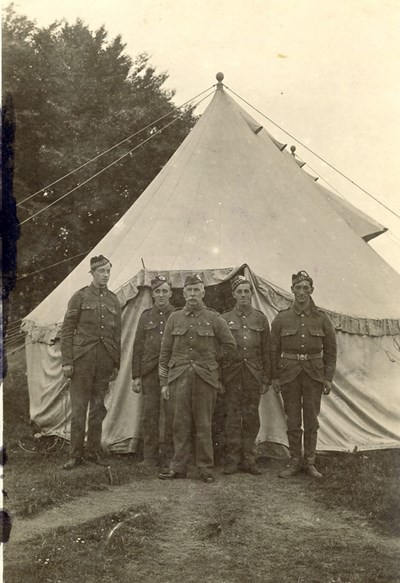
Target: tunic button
(302,315)
(190,348)
(101,337)
(160,331)
(245,337)
(302,335)
(161,322)
(245,359)
(244,348)
(191,360)
(302,346)
(102,326)
(244,326)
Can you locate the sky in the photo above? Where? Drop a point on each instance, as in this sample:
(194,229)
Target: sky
(327,72)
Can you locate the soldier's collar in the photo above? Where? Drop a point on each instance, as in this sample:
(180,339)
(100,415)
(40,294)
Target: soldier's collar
(97,290)
(246,311)
(299,311)
(196,311)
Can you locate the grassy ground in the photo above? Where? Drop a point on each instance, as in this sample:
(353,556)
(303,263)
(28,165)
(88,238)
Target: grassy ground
(222,534)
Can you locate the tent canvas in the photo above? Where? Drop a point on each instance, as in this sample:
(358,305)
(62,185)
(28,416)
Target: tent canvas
(230,197)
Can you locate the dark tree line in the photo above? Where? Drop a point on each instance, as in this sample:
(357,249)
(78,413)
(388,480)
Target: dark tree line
(76,93)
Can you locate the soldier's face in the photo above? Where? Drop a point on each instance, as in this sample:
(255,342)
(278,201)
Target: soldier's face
(194,295)
(242,295)
(302,292)
(101,275)
(162,295)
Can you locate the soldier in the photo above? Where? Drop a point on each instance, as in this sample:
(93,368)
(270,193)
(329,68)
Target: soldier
(189,376)
(91,350)
(146,353)
(246,379)
(303,364)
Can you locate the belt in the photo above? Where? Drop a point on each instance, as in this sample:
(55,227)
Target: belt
(301,356)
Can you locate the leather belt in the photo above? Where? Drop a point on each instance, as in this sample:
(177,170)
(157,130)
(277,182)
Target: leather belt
(301,356)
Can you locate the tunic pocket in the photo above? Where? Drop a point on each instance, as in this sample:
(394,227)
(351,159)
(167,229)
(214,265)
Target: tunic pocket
(317,332)
(288,331)
(179,330)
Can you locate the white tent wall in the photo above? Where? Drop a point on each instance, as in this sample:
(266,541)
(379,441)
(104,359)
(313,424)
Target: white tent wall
(362,411)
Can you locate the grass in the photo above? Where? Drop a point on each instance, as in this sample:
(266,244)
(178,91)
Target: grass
(228,540)
(96,551)
(368,482)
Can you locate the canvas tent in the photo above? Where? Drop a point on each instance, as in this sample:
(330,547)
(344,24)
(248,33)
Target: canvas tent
(232,199)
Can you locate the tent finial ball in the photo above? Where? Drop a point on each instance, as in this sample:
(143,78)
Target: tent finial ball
(219,77)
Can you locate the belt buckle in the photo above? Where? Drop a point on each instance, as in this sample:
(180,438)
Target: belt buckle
(302,356)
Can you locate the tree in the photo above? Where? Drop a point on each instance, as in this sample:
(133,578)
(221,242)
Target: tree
(76,94)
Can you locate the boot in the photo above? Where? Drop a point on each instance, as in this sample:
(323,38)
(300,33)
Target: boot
(312,471)
(72,463)
(293,469)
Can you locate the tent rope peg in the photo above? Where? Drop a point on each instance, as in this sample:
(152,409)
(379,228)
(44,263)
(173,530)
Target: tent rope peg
(220,78)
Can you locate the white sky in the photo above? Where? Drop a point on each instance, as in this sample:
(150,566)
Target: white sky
(326,71)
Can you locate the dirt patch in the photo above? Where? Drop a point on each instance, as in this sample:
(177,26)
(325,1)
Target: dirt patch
(240,529)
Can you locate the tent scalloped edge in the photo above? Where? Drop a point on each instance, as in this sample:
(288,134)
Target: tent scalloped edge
(277,297)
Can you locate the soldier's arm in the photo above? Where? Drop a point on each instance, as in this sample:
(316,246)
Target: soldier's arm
(166,351)
(266,352)
(225,337)
(329,348)
(275,346)
(138,345)
(70,323)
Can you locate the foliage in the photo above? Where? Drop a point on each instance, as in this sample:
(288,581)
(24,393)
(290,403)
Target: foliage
(76,94)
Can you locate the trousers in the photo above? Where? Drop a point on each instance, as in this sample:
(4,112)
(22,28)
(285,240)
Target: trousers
(88,387)
(151,419)
(242,398)
(193,403)
(302,403)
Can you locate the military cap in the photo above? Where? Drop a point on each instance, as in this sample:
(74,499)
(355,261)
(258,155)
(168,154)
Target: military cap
(301,276)
(98,261)
(192,279)
(158,281)
(239,280)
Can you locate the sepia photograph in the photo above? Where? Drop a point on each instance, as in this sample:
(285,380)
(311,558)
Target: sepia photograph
(200,291)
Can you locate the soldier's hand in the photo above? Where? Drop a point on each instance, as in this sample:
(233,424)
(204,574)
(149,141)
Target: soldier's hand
(136,385)
(276,385)
(327,387)
(114,374)
(221,388)
(165,392)
(68,371)
(264,389)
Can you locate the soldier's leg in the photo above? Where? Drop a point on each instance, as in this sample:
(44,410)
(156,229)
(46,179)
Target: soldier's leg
(312,393)
(203,404)
(251,419)
(181,401)
(233,420)
(168,448)
(97,410)
(80,391)
(151,416)
(292,400)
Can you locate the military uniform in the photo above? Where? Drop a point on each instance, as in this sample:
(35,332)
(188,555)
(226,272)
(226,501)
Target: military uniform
(91,342)
(188,365)
(303,357)
(146,354)
(243,379)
